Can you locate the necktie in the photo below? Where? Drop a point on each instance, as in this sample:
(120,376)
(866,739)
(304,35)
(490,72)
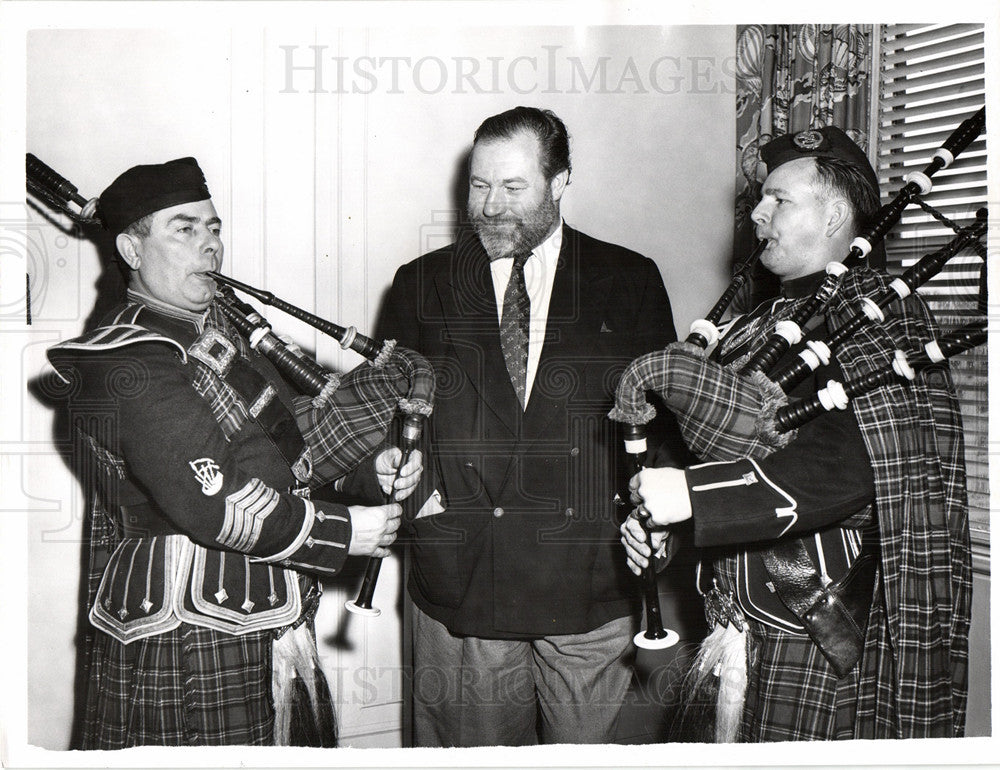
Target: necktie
(514,327)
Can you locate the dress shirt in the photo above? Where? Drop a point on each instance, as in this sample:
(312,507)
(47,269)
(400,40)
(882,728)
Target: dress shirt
(539,276)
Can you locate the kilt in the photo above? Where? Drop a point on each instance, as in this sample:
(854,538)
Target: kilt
(792,692)
(192,686)
(189,686)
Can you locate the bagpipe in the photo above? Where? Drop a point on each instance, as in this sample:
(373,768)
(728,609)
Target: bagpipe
(393,380)
(741,409)
(376,382)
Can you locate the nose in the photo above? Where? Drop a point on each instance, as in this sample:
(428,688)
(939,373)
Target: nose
(212,248)
(212,243)
(495,203)
(761,214)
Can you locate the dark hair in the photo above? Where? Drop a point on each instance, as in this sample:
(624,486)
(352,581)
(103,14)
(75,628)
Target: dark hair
(141,227)
(840,176)
(550,131)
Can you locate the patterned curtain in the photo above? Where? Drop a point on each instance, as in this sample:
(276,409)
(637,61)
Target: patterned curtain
(790,77)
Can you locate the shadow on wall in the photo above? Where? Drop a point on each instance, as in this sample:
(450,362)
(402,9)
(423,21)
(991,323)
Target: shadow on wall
(49,391)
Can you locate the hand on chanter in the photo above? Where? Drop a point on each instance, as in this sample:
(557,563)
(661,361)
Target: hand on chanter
(385,469)
(373,529)
(662,494)
(639,547)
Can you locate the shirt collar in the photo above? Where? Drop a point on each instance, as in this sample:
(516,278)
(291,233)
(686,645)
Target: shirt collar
(548,250)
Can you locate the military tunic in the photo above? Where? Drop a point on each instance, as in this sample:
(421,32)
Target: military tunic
(205,544)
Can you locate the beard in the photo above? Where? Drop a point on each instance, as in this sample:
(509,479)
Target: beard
(509,234)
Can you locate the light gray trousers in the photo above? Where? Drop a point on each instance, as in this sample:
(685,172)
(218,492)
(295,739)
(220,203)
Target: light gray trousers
(567,688)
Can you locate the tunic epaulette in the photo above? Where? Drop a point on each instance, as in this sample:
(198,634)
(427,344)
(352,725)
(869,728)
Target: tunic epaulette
(105,338)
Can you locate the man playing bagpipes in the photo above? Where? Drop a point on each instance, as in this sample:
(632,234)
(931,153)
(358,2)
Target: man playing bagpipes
(205,547)
(837,566)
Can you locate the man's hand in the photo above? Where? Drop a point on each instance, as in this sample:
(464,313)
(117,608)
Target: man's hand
(373,528)
(662,493)
(385,469)
(637,546)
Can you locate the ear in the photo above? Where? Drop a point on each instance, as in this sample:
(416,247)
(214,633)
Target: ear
(128,247)
(558,184)
(838,216)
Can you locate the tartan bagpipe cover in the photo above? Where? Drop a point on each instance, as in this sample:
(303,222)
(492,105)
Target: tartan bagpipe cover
(722,415)
(353,420)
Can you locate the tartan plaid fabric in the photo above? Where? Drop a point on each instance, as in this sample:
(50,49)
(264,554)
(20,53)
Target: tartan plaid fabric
(189,686)
(914,438)
(194,686)
(355,419)
(716,409)
(914,669)
(790,673)
(227,408)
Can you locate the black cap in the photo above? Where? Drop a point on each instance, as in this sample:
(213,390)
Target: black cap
(144,189)
(826,142)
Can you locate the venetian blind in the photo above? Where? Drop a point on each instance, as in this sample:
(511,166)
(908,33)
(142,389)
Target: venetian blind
(932,78)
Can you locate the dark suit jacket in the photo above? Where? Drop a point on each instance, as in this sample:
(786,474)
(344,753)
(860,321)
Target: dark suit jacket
(529,543)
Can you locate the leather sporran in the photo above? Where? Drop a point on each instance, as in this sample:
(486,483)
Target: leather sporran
(838,620)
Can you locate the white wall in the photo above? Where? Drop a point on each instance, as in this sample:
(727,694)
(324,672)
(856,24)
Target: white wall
(323,196)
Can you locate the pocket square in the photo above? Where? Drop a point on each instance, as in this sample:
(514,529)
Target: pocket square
(432,506)
(604,328)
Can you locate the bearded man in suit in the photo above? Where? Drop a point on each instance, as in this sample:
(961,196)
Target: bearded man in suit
(523,611)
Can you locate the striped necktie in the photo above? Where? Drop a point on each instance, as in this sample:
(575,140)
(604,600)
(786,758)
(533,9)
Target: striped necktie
(514,327)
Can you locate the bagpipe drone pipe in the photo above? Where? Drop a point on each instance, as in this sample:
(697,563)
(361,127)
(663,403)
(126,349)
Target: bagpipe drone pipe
(918,183)
(370,392)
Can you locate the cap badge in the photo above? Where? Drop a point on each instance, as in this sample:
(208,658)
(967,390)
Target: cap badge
(206,471)
(808,140)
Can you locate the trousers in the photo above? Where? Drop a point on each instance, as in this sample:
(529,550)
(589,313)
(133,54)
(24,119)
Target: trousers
(565,688)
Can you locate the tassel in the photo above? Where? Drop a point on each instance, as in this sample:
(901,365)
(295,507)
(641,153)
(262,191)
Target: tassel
(731,669)
(719,674)
(294,660)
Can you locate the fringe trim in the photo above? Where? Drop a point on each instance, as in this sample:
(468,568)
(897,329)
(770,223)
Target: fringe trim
(332,383)
(772,399)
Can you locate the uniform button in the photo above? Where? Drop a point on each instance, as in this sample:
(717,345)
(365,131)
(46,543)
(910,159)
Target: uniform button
(498,512)
(574,451)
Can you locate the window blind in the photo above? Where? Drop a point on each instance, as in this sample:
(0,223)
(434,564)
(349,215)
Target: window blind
(932,78)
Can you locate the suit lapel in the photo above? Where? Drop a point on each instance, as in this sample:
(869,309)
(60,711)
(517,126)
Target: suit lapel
(579,296)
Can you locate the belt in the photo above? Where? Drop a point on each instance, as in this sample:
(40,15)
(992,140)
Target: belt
(145,520)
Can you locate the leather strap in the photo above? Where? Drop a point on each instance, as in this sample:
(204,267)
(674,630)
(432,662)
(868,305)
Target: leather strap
(795,579)
(794,576)
(836,615)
